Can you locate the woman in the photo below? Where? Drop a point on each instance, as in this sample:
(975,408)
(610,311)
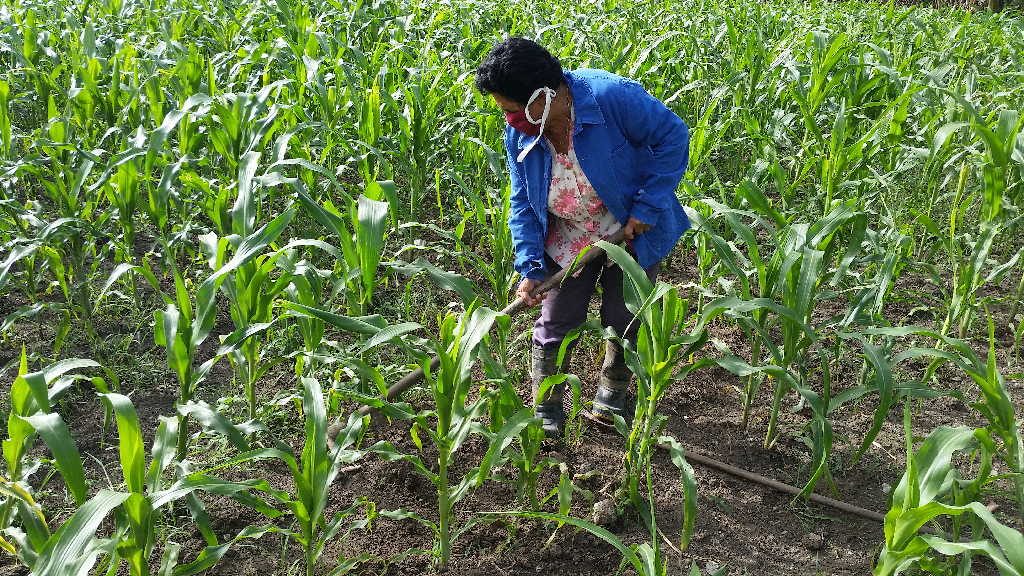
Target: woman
(588,152)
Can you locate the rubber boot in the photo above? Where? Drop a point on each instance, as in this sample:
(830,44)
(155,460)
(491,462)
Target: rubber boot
(613,387)
(550,410)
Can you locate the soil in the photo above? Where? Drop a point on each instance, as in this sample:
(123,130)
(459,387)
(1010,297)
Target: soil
(746,528)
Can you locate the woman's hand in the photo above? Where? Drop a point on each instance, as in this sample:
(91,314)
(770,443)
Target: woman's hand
(634,228)
(525,288)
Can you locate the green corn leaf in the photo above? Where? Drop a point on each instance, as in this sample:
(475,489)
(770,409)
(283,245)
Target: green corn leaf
(367,326)
(211,555)
(327,218)
(219,423)
(39,382)
(943,134)
(17,253)
(637,285)
(883,382)
(171,121)
(473,330)
(594,529)
(115,275)
(169,559)
(70,549)
(388,334)
(52,429)
(502,439)
(444,279)
(985,547)
(249,248)
(372,218)
(133,456)
(30,517)
(164,446)
(689,483)
(318,470)
(243,213)
(186,487)
(760,203)
(236,339)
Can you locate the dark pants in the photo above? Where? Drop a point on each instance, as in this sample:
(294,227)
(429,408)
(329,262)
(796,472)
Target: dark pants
(565,308)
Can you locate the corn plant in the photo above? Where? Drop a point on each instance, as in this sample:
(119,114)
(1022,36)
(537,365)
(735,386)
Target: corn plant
(932,488)
(361,240)
(251,287)
(511,422)
(306,288)
(660,356)
(313,471)
(151,488)
(967,252)
(493,259)
(448,423)
(787,343)
(32,395)
(74,548)
(994,403)
(5,120)
(182,327)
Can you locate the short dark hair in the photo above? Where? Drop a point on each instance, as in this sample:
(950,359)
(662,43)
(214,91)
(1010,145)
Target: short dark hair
(516,68)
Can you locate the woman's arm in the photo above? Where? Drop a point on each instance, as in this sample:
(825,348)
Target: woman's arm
(524,224)
(646,121)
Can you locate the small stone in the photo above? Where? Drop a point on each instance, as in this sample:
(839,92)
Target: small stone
(814,542)
(711,567)
(604,513)
(886,488)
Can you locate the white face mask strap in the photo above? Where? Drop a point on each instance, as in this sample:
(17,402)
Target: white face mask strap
(549,95)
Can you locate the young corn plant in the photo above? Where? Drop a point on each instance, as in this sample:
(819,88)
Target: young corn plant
(181,327)
(252,288)
(307,288)
(804,258)
(313,471)
(495,254)
(74,547)
(995,402)
(448,423)
(970,252)
(361,240)
(661,355)
(32,396)
(513,433)
(933,489)
(150,489)
(810,263)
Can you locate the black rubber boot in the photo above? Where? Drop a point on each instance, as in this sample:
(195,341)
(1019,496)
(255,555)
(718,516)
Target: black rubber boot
(612,397)
(550,409)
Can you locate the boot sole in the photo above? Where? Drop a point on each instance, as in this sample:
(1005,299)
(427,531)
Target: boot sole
(600,419)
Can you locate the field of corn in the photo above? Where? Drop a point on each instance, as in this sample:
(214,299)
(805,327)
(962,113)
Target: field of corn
(225,226)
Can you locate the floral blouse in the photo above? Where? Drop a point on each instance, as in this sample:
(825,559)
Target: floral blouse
(578,217)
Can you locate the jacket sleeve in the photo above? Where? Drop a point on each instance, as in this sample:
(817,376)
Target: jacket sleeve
(524,223)
(646,121)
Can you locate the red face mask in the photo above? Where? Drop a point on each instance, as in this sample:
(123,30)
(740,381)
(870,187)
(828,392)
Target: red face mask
(518,121)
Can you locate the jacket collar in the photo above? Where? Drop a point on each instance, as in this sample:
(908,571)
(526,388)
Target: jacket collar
(587,110)
(585,106)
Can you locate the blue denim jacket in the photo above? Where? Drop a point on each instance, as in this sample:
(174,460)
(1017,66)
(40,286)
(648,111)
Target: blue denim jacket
(633,150)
